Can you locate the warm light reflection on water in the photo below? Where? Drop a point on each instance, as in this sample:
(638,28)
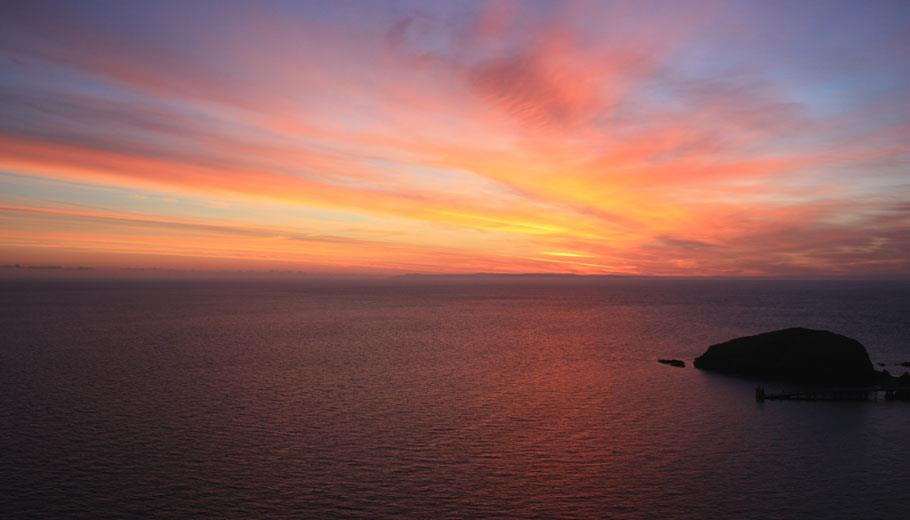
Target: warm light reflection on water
(268,399)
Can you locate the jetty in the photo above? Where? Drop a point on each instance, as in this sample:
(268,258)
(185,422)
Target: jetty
(870,393)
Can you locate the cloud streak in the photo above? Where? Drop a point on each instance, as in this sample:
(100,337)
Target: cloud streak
(577,137)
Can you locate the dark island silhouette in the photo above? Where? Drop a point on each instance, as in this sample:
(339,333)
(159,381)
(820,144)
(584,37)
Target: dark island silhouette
(806,357)
(796,355)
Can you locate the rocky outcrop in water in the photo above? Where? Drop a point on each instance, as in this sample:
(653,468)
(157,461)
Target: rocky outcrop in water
(900,387)
(797,355)
(673,362)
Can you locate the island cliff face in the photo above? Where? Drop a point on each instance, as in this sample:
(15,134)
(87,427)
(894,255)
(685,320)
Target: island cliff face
(797,355)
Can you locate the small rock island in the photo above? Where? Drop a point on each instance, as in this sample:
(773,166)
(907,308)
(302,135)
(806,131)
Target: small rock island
(796,355)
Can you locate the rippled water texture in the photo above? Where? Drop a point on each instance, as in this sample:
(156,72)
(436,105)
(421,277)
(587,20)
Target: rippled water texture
(232,399)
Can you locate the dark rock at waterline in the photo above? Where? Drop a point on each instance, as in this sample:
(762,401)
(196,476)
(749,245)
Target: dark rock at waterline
(884,378)
(673,362)
(901,388)
(797,355)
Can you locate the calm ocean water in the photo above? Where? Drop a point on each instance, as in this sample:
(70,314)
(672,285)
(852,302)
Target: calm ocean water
(270,399)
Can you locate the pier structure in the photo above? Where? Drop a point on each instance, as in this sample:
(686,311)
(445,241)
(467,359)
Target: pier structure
(871,393)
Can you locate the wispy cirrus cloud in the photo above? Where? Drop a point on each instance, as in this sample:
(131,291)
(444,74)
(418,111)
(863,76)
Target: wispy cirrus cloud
(630,139)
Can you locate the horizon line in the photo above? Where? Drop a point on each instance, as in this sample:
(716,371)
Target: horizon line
(105,272)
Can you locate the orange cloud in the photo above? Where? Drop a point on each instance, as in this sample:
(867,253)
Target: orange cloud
(507,139)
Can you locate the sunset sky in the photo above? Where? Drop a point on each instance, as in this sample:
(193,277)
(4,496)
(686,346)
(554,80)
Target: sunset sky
(671,138)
